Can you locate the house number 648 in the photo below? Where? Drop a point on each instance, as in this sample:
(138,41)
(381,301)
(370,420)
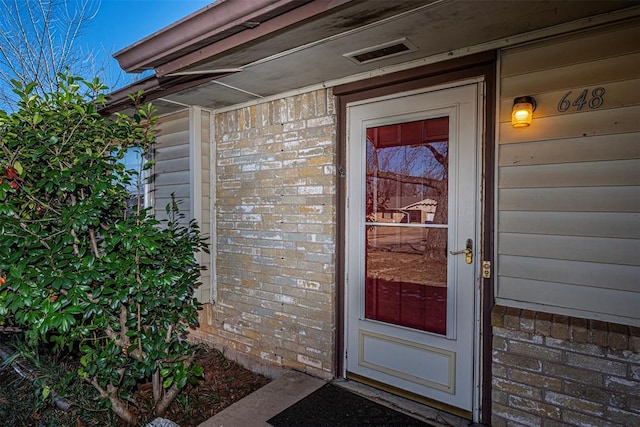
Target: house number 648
(596,100)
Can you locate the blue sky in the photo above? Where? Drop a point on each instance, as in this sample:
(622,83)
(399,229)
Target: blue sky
(120,23)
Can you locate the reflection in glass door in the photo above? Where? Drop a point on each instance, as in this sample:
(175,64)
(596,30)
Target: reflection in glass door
(407,224)
(412,198)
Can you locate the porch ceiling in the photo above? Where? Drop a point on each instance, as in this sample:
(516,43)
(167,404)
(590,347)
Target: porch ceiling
(310,50)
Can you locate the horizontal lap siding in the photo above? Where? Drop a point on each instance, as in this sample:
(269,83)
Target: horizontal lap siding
(171,170)
(603,173)
(570,199)
(585,124)
(590,274)
(610,224)
(571,248)
(571,150)
(173,174)
(590,301)
(569,185)
(588,73)
(571,50)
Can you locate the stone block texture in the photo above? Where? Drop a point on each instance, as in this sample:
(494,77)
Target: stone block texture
(275,233)
(552,370)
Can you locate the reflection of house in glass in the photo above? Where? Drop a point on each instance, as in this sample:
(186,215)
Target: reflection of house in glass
(412,210)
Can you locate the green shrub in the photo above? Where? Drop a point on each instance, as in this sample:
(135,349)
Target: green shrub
(80,269)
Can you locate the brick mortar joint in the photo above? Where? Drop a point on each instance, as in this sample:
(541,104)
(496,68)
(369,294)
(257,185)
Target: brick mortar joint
(572,329)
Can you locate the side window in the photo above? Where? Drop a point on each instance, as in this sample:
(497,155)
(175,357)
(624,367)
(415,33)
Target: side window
(138,187)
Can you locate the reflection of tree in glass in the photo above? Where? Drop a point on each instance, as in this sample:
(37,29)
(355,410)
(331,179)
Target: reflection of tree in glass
(405,161)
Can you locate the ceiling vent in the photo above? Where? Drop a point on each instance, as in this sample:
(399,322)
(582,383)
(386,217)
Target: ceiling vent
(381,51)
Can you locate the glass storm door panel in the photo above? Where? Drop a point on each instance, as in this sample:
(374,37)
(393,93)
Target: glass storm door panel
(406,224)
(412,197)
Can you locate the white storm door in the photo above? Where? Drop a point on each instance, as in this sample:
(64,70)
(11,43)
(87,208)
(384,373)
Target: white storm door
(412,196)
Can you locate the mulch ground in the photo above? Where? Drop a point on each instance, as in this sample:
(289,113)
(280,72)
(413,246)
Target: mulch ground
(224,383)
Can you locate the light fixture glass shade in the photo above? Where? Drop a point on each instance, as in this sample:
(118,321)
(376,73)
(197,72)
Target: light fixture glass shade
(522,111)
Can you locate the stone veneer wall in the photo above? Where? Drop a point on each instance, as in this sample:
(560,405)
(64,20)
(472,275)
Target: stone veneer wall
(275,213)
(552,370)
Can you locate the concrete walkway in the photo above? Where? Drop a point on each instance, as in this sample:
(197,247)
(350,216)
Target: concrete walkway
(267,402)
(291,386)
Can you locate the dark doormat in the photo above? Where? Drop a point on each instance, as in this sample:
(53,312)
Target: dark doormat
(336,407)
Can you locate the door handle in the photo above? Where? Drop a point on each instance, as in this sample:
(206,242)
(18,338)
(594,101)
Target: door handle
(468,252)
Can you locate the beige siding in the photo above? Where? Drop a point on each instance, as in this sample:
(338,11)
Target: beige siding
(588,274)
(573,76)
(570,50)
(569,185)
(617,224)
(589,301)
(621,93)
(182,157)
(567,199)
(571,248)
(581,149)
(171,171)
(584,174)
(584,124)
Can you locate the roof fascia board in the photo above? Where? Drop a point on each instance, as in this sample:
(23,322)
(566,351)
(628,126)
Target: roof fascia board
(153,88)
(306,11)
(119,99)
(204,24)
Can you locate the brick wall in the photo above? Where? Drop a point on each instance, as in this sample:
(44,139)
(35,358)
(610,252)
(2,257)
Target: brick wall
(551,370)
(275,212)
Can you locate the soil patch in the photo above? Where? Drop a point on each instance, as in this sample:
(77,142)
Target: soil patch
(224,382)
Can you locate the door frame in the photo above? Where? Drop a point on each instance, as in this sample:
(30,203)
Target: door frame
(481,65)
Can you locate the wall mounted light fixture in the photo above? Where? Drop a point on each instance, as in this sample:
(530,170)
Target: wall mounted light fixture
(522,112)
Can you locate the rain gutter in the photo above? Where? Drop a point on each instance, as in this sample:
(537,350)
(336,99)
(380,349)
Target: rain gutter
(153,88)
(215,29)
(253,28)
(204,27)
